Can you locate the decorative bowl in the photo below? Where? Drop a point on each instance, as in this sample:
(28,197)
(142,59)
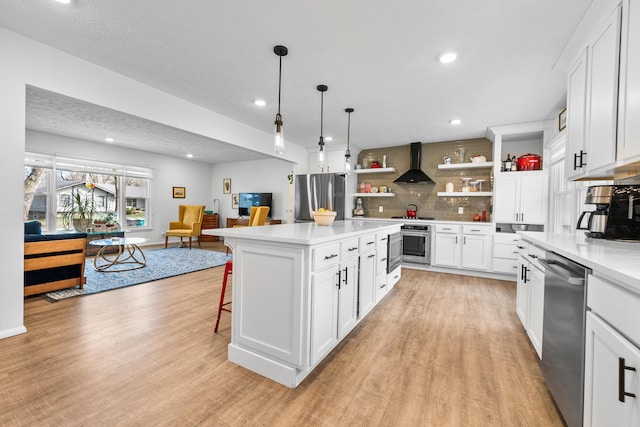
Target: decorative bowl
(324,218)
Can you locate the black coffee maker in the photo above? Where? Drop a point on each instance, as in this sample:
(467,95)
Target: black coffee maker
(599,195)
(623,221)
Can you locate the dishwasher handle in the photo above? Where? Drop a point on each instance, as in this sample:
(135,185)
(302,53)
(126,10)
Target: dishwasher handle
(561,271)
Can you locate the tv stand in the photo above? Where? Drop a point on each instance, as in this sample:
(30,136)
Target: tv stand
(245,221)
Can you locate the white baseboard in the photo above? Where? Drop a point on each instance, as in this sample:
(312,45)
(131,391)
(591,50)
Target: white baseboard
(11,332)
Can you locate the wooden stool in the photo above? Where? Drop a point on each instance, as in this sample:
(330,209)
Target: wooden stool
(228,269)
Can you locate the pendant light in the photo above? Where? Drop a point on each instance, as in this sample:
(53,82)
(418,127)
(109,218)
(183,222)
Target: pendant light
(321,154)
(278,139)
(347,154)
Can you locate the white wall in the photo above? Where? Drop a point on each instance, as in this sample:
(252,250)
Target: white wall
(26,62)
(260,176)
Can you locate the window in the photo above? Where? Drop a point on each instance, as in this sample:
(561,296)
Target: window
(104,186)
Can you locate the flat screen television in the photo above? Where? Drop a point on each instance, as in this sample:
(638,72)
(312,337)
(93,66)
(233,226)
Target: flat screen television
(246,200)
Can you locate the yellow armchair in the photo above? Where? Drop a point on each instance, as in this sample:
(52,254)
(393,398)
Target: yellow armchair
(189,224)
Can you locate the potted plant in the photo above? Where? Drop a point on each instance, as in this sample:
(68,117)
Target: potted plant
(79,211)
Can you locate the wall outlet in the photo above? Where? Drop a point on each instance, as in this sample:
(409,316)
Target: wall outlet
(380,208)
(460,210)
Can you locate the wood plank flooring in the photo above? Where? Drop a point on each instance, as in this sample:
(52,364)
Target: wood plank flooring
(440,350)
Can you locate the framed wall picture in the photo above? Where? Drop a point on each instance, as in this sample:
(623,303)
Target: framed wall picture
(226,185)
(562,119)
(179,192)
(234,201)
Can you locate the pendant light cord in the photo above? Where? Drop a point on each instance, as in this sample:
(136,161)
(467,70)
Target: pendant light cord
(279,83)
(321,112)
(348,129)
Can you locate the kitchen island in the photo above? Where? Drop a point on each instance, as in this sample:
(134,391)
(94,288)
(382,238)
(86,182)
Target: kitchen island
(299,289)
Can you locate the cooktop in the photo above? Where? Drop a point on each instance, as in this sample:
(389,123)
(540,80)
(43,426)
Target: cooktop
(420,217)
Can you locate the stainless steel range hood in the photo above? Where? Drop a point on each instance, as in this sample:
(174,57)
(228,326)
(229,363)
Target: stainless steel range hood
(414,175)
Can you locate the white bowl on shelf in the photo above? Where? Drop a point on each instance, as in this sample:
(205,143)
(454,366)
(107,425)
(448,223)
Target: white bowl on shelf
(324,218)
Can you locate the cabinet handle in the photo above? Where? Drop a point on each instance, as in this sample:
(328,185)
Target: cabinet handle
(338,274)
(519,247)
(582,162)
(383,259)
(383,239)
(370,243)
(526,270)
(330,256)
(575,160)
(522,216)
(346,276)
(621,368)
(464,240)
(383,285)
(371,256)
(516,216)
(456,240)
(446,228)
(353,249)
(473,229)
(397,277)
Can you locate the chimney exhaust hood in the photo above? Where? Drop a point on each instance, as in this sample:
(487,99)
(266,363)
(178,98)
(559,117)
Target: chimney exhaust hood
(414,175)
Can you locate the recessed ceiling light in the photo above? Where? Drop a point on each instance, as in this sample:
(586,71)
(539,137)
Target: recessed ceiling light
(63,1)
(328,138)
(455,121)
(447,57)
(190,156)
(260,102)
(108,139)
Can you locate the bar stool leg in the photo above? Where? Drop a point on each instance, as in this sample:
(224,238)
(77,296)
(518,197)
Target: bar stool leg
(228,269)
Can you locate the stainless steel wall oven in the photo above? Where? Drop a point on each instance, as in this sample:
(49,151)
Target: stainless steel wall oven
(416,243)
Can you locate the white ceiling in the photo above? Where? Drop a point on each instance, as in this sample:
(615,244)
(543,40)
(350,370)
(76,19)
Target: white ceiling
(376,56)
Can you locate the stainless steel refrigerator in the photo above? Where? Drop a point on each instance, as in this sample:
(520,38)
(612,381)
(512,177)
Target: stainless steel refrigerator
(313,191)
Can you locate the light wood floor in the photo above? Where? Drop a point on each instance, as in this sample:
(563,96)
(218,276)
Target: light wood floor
(440,350)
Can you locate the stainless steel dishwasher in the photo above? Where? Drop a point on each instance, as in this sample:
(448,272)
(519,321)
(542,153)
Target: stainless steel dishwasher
(563,334)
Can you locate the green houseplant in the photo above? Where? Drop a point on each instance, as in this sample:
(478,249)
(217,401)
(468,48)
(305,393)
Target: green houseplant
(79,211)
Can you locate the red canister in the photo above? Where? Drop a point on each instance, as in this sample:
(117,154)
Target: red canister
(529,162)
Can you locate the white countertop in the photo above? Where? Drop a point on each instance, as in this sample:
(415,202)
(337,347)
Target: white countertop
(307,233)
(619,261)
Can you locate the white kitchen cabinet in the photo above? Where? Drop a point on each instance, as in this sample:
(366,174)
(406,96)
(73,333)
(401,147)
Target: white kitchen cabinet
(462,246)
(522,290)
(505,253)
(628,146)
(592,100)
(576,116)
(530,293)
(521,197)
(382,278)
(612,355)
(476,247)
(334,296)
(367,283)
(447,250)
(347,297)
(324,313)
(612,368)
(536,307)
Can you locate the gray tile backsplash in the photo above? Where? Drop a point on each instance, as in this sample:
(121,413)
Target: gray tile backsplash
(424,196)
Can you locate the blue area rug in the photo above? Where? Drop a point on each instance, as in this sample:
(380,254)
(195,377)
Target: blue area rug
(161,263)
